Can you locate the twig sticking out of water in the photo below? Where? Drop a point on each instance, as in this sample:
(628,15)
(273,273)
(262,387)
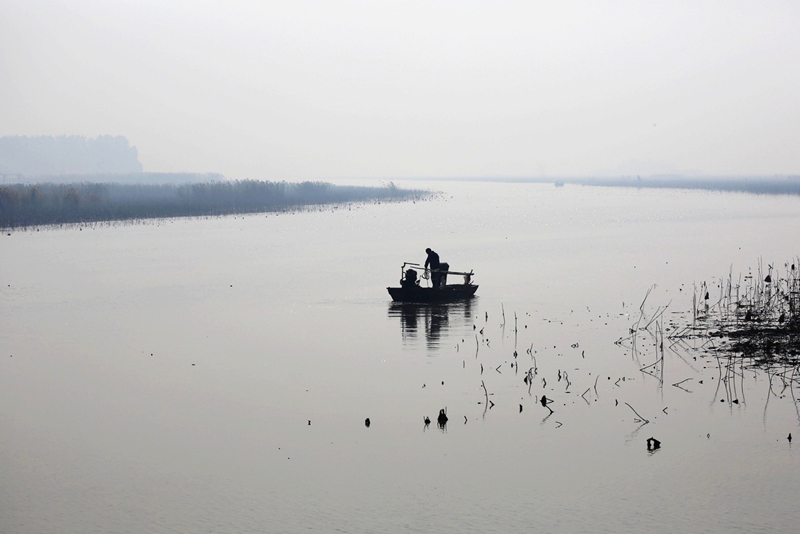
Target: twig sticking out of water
(529,379)
(545,402)
(659,312)
(637,415)
(653,368)
(641,309)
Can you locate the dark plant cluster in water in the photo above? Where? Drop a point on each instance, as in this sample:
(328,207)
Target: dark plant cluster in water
(756,316)
(24,205)
(749,324)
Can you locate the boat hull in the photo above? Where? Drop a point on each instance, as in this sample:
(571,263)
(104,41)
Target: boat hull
(449,293)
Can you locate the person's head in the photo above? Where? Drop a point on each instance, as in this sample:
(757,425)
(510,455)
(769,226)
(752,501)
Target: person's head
(427,250)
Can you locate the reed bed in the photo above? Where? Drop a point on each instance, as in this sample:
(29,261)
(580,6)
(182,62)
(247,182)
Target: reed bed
(28,205)
(754,316)
(750,322)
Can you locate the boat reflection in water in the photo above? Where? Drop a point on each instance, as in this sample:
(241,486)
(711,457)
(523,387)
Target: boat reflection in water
(436,321)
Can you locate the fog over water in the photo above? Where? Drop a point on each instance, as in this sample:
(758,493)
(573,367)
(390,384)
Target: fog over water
(215,374)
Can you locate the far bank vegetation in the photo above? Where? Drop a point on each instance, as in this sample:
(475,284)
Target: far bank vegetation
(25,205)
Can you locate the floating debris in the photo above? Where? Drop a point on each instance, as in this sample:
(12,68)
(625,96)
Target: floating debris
(442,419)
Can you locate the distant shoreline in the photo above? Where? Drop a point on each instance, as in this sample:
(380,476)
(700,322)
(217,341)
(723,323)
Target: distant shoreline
(766,185)
(31,205)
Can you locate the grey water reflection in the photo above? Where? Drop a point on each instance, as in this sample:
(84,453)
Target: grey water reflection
(228,440)
(432,322)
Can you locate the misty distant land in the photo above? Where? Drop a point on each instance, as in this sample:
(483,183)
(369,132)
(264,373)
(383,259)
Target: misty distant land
(70,159)
(782,184)
(73,159)
(75,180)
(47,180)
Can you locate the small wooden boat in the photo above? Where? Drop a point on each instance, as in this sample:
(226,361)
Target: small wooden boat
(410,289)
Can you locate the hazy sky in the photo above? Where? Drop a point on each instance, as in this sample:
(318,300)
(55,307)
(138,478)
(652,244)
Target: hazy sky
(326,89)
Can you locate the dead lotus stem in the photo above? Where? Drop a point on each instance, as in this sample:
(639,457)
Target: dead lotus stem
(637,414)
(678,384)
(657,315)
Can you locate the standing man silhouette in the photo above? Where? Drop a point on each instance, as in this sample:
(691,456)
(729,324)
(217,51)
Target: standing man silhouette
(433,261)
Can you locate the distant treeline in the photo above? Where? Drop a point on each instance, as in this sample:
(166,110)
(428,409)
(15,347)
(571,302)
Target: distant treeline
(46,204)
(67,154)
(147,178)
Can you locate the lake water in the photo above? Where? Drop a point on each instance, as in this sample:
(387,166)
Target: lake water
(214,375)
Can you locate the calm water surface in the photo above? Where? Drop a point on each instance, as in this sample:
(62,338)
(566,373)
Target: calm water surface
(214,375)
